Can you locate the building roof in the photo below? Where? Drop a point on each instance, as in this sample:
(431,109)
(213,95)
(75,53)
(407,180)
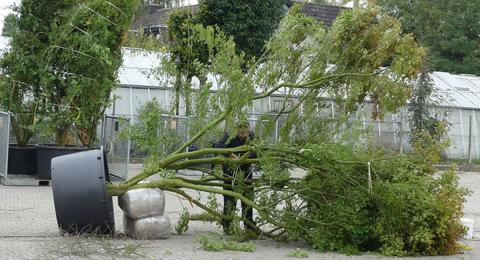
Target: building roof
(451,90)
(159,17)
(323,13)
(461,91)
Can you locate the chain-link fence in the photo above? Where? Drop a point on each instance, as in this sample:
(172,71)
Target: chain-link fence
(4,142)
(391,132)
(117,149)
(179,129)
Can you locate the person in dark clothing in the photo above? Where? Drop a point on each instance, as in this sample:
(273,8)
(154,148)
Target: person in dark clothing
(234,172)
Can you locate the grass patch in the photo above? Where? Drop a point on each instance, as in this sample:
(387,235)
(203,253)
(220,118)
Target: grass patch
(217,245)
(298,253)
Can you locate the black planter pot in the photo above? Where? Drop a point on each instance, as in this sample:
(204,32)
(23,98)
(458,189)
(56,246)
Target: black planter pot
(22,160)
(45,154)
(82,204)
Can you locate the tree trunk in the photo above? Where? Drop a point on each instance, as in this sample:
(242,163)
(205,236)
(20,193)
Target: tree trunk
(203,81)
(84,136)
(20,129)
(187,95)
(61,136)
(178,86)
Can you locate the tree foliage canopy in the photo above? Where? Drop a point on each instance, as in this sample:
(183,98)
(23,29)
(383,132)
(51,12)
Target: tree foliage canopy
(62,64)
(449,29)
(10,25)
(23,65)
(251,23)
(84,55)
(185,51)
(352,197)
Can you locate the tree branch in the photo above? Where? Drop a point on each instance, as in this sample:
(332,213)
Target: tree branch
(309,84)
(203,131)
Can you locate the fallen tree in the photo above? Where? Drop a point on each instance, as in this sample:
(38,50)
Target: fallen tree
(353,196)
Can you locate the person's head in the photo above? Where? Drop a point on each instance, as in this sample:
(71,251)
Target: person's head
(243,130)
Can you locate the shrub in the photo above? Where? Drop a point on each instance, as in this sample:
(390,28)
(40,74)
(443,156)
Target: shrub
(406,211)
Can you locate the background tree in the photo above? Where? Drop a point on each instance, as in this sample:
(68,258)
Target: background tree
(10,25)
(449,29)
(84,56)
(186,54)
(23,64)
(428,134)
(251,23)
(421,103)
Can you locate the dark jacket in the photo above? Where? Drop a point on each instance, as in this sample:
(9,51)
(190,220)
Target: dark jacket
(224,142)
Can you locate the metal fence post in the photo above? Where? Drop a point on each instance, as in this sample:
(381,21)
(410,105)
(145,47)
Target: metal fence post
(276,131)
(393,130)
(128,150)
(104,129)
(5,135)
(401,134)
(463,135)
(474,120)
(333,109)
(470,140)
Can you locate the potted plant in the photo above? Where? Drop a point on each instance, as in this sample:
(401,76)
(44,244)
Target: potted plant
(25,68)
(83,62)
(21,85)
(22,157)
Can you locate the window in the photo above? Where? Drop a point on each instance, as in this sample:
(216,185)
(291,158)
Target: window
(278,105)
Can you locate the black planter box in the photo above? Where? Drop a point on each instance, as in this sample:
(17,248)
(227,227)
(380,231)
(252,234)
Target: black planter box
(22,160)
(82,204)
(45,154)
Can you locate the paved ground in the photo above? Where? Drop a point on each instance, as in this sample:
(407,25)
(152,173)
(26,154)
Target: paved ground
(28,230)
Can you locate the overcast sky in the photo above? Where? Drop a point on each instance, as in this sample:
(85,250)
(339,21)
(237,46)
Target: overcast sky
(5,10)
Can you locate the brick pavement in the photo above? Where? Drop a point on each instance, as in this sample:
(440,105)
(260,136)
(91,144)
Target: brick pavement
(28,230)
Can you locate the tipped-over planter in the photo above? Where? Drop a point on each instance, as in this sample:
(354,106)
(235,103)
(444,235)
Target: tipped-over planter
(82,204)
(22,160)
(45,154)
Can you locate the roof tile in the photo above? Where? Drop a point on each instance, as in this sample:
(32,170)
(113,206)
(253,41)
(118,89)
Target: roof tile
(323,13)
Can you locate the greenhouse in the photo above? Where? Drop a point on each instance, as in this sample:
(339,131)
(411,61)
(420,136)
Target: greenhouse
(458,99)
